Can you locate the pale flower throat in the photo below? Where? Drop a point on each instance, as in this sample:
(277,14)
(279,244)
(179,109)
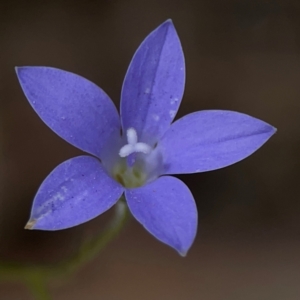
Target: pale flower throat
(138,164)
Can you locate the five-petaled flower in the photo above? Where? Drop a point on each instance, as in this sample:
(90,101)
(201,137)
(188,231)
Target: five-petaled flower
(134,154)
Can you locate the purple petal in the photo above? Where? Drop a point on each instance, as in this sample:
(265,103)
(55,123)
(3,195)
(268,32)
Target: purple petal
(75,192)
(166,208)
(72,106)
(154,84)
(212,139)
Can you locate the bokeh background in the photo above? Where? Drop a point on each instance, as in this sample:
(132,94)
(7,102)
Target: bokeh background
(241,55)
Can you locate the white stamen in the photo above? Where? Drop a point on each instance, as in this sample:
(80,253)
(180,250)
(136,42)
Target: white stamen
(142,147)
(131,136)
(126,150)
(133,145)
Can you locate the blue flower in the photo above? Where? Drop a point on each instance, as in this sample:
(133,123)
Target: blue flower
(135,153)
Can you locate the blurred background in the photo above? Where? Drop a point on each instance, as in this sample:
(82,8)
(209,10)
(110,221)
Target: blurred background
(241,55)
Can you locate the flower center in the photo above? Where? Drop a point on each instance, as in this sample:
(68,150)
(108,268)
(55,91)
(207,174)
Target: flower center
(138,162)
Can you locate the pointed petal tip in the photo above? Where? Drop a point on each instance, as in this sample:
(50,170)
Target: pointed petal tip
(271,131)
(30,224)
(17,69)
(169,21)
(274,130)
(183,253)
(183,250)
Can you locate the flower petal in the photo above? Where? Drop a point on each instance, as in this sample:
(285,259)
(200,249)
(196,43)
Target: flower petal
(212,139)
(72,106)
(154,84)
(76,191)
(166,208)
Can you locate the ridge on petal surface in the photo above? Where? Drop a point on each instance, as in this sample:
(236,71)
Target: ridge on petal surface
(211,139)
(154,84)
(73,107)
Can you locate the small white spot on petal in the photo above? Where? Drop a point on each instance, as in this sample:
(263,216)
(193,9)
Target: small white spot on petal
(59,196)
(173,101)
(172,113)
(147,90)
(156,117)
(64,188)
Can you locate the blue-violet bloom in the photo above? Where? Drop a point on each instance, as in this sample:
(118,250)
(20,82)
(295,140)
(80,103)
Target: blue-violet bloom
(135,153)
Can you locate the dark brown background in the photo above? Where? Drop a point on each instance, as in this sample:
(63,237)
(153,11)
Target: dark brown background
(240,55)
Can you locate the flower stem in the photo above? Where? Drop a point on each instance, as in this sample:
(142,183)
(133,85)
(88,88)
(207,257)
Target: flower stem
(37,276)
(37,285)
(90,248)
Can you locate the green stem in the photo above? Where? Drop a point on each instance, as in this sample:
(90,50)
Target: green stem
(37,285)
(90,249)
(37,275)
